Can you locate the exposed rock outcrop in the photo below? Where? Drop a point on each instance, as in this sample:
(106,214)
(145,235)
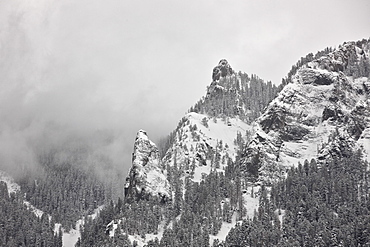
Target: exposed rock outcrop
(322,114)
(223,69)
(224,94)
(146,177)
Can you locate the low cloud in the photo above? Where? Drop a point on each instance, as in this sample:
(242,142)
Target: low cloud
(80,74)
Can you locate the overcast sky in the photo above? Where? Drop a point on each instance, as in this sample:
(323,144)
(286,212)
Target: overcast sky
(72,67)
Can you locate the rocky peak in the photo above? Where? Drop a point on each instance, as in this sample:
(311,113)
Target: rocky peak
(229,94)
(225,92)
(146,178)
(343,59)
(323,113)
(144,150)
(223,69)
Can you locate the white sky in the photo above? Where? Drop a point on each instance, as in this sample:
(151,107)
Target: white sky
(119,65)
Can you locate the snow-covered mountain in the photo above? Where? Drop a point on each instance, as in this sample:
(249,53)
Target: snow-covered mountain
(321,114)
(219,124)
(216,167)
(206,138)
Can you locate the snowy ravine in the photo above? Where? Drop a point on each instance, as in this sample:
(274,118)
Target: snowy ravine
(69,239)
(251,203)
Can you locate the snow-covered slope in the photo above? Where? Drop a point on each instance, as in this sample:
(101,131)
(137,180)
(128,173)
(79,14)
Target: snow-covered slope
(203,143)
(205,138)
(70,238)
(146,177)
(321,114)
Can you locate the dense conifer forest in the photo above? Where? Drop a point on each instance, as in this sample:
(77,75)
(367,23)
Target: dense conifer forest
(322,205)
(21,227)
(325,204)
(66,189)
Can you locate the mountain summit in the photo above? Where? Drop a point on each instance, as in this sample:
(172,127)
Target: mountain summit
(235,94)
(222,70)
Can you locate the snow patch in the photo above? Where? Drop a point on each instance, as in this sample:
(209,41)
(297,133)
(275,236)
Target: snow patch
(364,142)
(35,210)
(70,238)
(251,200)
(150,236)
(225,229)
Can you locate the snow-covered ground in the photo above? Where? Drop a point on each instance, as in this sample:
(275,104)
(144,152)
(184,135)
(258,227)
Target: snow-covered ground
(190,144)
(225,229)
(225,131)
(250,203)
(35,210)
(281,214)
(143,241)
(364,142)
(70,239)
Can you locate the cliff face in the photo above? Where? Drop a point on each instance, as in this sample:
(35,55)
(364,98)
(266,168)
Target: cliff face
(146,178)
(324,113)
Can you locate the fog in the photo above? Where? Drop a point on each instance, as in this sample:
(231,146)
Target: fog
(91,73)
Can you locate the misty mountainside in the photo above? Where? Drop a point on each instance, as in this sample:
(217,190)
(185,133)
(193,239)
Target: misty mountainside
(250,164)
(67,183)
(256,165)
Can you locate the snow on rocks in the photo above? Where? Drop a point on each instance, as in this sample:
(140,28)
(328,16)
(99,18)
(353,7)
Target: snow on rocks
(221,70)
(200,139)
(320,108)
(146,177)
(13,187)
